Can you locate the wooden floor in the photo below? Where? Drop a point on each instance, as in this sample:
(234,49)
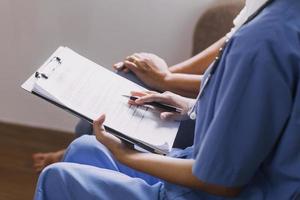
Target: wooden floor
(17,144)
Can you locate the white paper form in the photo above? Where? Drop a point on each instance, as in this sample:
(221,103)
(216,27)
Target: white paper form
(92,90)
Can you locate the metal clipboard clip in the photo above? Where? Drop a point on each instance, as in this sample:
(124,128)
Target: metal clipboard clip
(50,68)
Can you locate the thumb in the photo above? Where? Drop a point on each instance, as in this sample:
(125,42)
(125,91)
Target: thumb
(98,124)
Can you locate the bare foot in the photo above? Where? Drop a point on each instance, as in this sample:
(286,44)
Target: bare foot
(42,160)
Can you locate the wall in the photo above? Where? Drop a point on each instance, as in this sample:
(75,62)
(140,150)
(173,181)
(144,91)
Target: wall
(104,31)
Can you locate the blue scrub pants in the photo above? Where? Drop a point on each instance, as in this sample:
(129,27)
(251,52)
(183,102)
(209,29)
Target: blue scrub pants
(89,171)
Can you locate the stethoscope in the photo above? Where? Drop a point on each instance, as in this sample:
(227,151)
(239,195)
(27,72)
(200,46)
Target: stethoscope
(192,113)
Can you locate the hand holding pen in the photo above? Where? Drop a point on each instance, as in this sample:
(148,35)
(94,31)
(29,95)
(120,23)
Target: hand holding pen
(173,106)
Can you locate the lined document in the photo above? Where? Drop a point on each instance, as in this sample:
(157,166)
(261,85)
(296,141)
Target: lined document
(91,90)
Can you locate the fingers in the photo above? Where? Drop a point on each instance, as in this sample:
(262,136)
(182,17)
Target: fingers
(141,93)
(140,60)
(151,96)
(41,160)
(137,62)
(133,57)
(38,156)
(126,70)
(131,102)
(138,93)
(131,66)
(118,66)
(157,97)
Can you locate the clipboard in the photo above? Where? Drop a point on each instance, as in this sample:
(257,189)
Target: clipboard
(44,72)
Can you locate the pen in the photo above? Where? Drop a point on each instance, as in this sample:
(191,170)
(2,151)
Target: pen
(166,107)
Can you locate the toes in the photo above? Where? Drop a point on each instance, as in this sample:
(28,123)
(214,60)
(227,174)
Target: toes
(41,160)
(39,156)
(39,169)
(35,163)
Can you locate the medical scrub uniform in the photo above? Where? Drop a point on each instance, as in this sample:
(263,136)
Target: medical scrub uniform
(247,131)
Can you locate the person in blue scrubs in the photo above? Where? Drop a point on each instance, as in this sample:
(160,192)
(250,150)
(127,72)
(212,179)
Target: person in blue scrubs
(247,139)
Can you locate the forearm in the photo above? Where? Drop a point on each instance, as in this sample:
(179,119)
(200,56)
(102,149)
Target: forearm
(187,85)
(156,164)
(199,63)
(159,166)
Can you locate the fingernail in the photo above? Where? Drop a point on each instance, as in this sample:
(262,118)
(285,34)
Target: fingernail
(101,118)
(119,65)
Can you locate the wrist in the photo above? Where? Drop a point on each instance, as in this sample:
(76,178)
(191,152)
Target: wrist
(125,155)
(175,69)
(168,82)
(111,142)
(117,147)
(164,82)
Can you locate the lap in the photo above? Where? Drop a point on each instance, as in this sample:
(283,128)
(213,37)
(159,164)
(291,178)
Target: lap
(89,171)
(78,181)
(87,150)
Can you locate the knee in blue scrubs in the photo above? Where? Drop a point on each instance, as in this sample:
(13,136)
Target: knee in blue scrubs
(71,181)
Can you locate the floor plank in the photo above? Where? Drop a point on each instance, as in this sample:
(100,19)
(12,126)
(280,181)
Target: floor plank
(17,144)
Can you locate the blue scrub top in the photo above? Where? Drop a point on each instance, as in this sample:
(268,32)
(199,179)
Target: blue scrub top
(247,130)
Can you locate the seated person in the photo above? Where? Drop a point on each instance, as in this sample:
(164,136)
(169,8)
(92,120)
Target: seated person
(246,142)
(183,78)
(153,73)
